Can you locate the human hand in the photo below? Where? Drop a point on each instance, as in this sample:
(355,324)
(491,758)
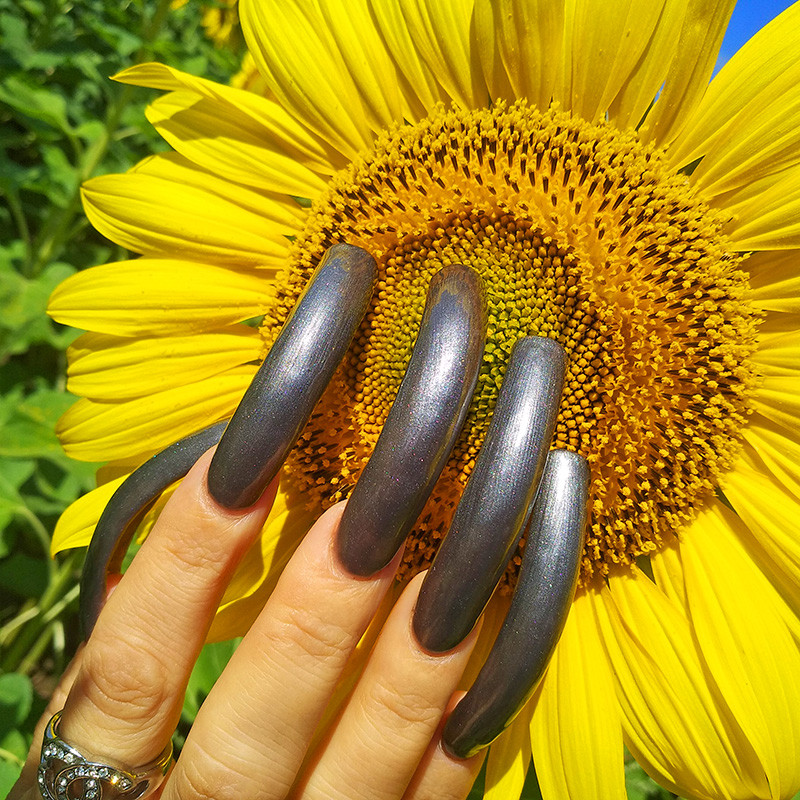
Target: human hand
(418,436)
(122,698)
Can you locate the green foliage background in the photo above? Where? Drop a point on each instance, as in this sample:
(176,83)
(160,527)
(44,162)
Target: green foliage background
(62,121)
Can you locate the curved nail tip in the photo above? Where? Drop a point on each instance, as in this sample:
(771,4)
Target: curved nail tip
(131,500)
(438,638)
(460,747)
(292,378)
(498,499)
(422,426)
(538,612)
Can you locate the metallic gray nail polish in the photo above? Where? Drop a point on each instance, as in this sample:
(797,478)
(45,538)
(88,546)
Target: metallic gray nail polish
(498,498)
(422,426)
(287,386)
(124,510)
(538,611)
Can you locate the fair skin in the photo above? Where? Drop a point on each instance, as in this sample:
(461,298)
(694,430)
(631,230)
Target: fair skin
(123,693)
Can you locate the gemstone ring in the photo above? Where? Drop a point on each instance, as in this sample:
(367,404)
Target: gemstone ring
(65,773)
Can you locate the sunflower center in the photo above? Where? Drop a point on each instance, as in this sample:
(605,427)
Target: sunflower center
(580,233)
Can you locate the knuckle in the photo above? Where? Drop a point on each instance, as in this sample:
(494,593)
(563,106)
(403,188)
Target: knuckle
(400,709)
(125,682)
(203,779)
(303,633)
(196,553)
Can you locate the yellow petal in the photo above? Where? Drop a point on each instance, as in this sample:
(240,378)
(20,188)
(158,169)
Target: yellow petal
(775,280)
(771,219)
(105,367)
(673,723)
(779,355)
(367,61)
(76,525)
(748,123)
(576,731)
(166,206)
(668,573)
(509,759)
(491,622)
(256,576)
(279,131)
(778,399)
(229,143)
(302,66)
(772,516)
(148,297)
(687,80)
(602,44)
(93,431)
(420,86)
(441,35)
(738,621)
(778,451)
(520,43)
(637,94)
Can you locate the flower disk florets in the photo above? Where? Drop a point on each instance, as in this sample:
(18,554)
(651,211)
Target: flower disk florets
(580,233)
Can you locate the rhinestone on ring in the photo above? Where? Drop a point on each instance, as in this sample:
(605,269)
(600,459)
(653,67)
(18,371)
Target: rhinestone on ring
(66,774)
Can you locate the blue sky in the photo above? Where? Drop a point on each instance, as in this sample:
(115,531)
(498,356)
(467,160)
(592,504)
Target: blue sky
(748,17)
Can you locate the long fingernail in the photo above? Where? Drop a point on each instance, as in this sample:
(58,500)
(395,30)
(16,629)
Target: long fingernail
(538,612)
(124,510)
(498,498)
(422,425)
(287,386)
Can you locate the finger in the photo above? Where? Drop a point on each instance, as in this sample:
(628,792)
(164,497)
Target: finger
(423,424)
(251,735)
(124,511)
(287,386)
(127,698)
(498,498)
(28,776)
(386,726)
(538,609)
(441,776)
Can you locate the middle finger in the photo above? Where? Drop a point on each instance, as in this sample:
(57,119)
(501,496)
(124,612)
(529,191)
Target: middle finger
(251,734)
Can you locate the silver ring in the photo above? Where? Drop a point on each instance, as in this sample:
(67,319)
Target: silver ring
(67,774)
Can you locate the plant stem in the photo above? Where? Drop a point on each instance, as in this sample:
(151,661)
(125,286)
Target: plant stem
(27,637)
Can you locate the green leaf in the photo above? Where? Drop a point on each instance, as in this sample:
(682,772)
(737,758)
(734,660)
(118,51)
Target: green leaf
(24,301)
(29,423)
(9,773)
(212,661)
(23,576)
(640,786)
(16,699)
(45,105)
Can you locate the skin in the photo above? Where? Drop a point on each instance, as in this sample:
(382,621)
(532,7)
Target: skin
(123,693)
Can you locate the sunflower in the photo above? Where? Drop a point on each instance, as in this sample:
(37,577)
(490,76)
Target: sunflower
(575,154)
(220,21)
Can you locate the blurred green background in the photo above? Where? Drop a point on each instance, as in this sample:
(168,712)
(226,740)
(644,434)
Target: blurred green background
(62,121)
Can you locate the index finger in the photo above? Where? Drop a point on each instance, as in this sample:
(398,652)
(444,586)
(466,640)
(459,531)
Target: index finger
(127,698)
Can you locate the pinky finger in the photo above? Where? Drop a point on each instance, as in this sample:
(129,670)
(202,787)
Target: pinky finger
(441,776)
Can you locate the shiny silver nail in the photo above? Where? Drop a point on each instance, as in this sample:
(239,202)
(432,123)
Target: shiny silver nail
(422,425)
(287,386)
(538,611)
(124,511)
(498,498)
